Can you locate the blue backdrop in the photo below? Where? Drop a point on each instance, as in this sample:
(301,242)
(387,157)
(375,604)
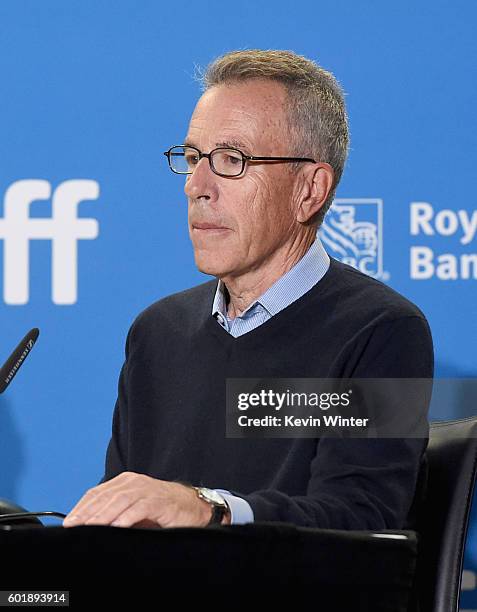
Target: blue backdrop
(93,92)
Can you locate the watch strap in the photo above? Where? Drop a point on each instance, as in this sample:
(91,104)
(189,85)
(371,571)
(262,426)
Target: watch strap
(218,513)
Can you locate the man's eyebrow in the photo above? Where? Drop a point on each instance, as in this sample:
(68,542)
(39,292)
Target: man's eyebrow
(238,144)
(233,142)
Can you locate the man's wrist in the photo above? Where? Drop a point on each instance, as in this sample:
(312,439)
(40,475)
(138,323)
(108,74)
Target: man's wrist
(218,508)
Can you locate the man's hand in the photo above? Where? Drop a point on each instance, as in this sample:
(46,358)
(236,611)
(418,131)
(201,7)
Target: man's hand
(136,499)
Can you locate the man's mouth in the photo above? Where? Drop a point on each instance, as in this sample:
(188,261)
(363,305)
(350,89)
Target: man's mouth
(209,227)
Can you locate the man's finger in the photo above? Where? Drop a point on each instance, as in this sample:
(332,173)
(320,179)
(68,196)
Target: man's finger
(140,511)
(118,482)
(110,510)
(95,503)
(94,492)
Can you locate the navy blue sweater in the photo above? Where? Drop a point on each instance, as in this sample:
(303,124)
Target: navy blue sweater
(169,418)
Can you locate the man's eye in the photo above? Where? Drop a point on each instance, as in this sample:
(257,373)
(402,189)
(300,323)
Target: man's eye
(192,160)
(230,159)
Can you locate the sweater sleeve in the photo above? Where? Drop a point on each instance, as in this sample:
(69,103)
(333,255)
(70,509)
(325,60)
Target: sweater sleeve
(363,483)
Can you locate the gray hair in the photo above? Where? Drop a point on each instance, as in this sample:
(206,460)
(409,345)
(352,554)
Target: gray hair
(315,111)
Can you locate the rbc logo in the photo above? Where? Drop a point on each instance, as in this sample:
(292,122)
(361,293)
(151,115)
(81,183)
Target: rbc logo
(64,229)
(352,231)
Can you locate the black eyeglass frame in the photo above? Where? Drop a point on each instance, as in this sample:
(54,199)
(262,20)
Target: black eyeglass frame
(245,158)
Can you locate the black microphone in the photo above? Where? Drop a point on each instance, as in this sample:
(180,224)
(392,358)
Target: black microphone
(7,374)
(26,519)
(14,362)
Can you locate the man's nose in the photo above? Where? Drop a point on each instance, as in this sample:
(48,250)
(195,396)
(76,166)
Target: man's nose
(200,183)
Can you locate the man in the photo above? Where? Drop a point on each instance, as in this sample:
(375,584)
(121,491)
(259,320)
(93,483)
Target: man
(263,155)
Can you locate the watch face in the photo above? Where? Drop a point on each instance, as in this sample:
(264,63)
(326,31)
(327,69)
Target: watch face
(212,496)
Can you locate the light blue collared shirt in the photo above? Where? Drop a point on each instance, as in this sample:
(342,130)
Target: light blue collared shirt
(309,270)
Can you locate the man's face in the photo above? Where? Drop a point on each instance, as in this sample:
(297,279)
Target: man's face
(256,208)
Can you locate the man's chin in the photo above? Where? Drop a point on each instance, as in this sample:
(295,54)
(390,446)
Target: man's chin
(213,270)
(211,265)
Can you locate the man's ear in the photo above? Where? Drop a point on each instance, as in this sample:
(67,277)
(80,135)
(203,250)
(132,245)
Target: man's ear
(317,184)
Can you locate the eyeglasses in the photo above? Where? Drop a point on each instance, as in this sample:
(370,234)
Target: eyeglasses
(223,161)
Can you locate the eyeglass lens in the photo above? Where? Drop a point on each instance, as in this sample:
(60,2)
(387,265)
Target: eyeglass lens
(228,162)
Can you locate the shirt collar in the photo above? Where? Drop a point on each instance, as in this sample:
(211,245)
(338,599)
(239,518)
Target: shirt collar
(292,285)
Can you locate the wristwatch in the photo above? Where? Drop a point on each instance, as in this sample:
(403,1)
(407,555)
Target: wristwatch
(219,506)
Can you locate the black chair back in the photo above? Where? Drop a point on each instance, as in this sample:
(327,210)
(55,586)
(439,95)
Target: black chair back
(444,515)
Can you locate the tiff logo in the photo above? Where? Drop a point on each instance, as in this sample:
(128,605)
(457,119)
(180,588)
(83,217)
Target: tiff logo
(64,229)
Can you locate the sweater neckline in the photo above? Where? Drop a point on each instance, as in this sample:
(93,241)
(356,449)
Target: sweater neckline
(275,322)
